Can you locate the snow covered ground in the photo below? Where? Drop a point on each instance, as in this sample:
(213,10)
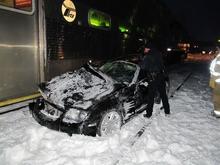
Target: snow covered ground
(190,136)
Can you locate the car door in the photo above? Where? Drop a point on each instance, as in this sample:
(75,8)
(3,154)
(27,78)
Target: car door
(141,93)
(135,98)
(130,95)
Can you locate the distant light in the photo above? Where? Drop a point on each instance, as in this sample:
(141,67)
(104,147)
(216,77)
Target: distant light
(140,39)
(125,36)
(169,49)
(123,29)
(203,52)
(90,61)
(219,40)
(79,23)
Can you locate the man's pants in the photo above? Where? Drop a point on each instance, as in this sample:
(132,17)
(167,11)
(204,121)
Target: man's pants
(157,85)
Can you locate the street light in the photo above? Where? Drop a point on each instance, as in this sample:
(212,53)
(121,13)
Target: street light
(169,49)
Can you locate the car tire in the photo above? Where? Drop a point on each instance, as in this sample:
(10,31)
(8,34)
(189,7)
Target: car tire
(110,123)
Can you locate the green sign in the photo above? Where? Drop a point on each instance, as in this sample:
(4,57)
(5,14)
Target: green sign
(99,19)
(123,29)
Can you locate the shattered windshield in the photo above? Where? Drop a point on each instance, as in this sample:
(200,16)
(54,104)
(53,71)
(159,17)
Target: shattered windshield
(119,71)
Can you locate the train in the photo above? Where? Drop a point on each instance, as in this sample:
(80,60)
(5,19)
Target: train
(41,39)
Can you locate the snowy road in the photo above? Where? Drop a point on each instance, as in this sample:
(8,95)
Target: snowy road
(190,136)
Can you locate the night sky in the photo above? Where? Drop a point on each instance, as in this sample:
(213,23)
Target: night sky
(200,17)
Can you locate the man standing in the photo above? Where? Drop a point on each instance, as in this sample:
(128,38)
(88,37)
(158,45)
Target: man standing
(153,67)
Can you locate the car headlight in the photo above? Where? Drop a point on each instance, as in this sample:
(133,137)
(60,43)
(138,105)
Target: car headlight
(75,116)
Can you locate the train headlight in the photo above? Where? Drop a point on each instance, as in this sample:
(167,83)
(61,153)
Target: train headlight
(75,116)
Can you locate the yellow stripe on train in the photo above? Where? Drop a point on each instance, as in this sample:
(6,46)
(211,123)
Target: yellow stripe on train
(20,99)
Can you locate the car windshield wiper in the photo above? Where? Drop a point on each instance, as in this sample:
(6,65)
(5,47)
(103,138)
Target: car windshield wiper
(90,69)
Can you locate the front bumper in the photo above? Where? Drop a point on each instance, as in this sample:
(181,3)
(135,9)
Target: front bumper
(58,124)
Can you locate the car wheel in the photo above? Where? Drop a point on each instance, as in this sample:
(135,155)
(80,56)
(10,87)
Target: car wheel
(110,123)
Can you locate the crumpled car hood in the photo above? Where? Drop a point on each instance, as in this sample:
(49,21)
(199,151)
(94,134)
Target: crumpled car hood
(78,89)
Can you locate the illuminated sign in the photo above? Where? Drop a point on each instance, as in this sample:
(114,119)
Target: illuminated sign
(99,19)
(23,3)
(123,29)
(68,10)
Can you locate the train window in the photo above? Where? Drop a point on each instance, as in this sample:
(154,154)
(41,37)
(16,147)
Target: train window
(21,6)
(99,19)
(8,3)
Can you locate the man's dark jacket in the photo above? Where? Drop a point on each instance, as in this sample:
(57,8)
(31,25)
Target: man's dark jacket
(152,62)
